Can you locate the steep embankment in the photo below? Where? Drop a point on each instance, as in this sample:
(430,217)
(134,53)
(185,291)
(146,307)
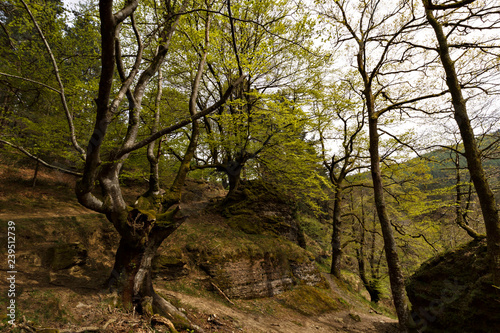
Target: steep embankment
(213,267)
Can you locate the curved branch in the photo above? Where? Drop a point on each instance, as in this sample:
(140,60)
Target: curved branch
(126,11)
(409,101)
(32,81)
(457,4)
(27,153)
(402,232)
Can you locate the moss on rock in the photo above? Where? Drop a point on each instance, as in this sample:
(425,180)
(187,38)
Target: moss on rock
(453,292)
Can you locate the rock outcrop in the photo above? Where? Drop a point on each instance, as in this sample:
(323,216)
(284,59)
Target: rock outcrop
(259,209)
(170,266)
(264,277)
(254,247)
(454,293)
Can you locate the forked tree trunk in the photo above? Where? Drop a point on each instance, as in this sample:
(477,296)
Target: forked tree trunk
(132,274)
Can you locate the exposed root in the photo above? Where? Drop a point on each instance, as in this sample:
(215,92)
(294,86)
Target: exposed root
(178,318)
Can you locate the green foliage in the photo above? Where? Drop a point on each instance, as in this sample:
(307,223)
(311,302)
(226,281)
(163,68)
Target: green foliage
(32,109)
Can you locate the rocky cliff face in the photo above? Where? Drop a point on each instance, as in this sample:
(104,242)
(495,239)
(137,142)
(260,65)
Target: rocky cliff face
(256,247)
(264,277)
(454,293)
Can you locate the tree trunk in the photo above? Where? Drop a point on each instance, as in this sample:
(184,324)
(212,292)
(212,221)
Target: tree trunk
(336,239)
(460,215)
(186,161)
(233,172)
(35,175)
(371,285)
(395,273)
(485,195)
(234,181)
(154,159)
(132,275)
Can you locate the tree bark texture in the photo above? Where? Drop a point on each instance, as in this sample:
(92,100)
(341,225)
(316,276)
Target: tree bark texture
(141,235)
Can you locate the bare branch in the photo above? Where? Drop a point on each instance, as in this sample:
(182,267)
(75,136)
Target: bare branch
(457,4)
(27,153)
(409,101)
(32,81)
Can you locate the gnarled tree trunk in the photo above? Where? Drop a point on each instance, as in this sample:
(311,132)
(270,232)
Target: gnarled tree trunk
(131,274)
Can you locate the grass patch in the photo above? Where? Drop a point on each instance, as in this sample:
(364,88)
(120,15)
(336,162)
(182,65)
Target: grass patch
(44,307)
(310,301)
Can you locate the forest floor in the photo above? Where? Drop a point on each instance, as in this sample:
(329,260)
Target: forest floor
(74,300)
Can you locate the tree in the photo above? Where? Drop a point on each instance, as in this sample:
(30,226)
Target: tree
(33,108)
(371,279)
(469,15)
(268,40)
(142,225)
(341,122)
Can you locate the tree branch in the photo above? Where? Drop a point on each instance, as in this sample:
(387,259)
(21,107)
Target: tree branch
(184,122)
(32,81)
(457,4)
(24,151)
(233,37)
(409,101)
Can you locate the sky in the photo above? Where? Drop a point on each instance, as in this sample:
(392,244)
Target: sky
(70,2)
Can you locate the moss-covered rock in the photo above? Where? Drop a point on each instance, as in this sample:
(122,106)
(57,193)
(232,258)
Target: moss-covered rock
(454,292)
(65,256)
(250,245)
(259,209)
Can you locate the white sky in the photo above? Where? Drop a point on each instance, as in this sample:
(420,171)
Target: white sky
(70,3)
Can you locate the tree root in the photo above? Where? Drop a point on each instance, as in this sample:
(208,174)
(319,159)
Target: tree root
(178,318)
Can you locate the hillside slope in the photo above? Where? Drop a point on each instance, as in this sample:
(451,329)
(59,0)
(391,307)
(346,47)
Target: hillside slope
(65,254)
